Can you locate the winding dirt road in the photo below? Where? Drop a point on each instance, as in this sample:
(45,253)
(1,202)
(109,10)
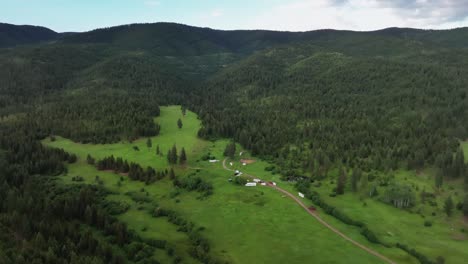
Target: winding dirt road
(320,220)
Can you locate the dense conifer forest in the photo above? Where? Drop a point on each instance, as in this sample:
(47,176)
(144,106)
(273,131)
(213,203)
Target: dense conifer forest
(308,102)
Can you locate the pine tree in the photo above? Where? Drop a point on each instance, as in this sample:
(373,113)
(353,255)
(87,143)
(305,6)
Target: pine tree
(183,157)
(230,150)
(172,155)
(90,160)
(448,206)
(149,143)
(158,151)
(179,123)
(341,183)
(465,205)
(439,179)
(172,174)
(459,164)
(355,177)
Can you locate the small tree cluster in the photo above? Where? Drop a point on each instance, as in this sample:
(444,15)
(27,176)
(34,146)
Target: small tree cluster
(172,155)
(134,170)
(230,150)
(341,183)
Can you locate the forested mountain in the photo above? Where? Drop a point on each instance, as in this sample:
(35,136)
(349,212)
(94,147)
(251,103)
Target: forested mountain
(325,79)
(367,112)
(12,35)
(309,102)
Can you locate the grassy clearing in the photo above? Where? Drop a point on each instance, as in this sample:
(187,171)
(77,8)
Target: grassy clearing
(444,238)
(244,225)
(170,134)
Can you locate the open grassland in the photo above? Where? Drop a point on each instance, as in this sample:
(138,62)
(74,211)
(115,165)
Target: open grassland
(446,237)
(170,134)
(243,225)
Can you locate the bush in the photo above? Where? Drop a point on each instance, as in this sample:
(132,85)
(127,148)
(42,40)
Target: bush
(422,259)
(427,223)
(115,207)
(370,235)
(240,180)
(77,179)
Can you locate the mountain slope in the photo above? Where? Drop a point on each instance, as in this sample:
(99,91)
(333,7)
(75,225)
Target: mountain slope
(13,35)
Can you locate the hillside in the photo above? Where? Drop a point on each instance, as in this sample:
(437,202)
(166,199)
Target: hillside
(369,127)
(13,35)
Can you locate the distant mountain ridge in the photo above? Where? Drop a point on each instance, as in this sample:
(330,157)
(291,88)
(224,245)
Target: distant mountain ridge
(13,35)
(180,39)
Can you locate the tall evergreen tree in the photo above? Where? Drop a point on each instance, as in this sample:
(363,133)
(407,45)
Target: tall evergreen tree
(183,157)
(341,183)
(459,164)
(172,155)
(355,177)
(230,150)
(179,123)
(149,143)
(448,206)
(439,179)
(465,205)
(172,174)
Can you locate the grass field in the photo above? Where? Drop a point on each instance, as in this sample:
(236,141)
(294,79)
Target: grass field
(244,225)
(444,238)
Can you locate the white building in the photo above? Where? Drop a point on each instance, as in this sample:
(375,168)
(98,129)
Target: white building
(301,195)
(213,161)
(230,163)
(274,183)
(251,184)
(257,180)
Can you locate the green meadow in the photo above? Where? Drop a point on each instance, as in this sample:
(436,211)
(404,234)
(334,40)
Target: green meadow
(243,225)
(394,225)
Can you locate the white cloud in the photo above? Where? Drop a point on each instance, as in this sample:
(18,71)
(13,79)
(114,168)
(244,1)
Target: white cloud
(217,13)
(302,15)
(152,3)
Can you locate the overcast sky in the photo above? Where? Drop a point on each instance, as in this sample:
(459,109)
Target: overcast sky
(293,15)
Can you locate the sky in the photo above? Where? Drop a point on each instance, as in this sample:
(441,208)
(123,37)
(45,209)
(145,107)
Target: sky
(290,15)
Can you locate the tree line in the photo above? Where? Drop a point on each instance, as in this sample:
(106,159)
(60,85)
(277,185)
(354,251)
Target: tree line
(133,170)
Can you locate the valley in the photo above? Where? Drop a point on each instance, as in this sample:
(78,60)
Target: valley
(242,223)
(139,144)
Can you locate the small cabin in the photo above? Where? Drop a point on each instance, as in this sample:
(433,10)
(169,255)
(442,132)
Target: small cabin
(251,184)
(257,180)
(301,195)
(213,161)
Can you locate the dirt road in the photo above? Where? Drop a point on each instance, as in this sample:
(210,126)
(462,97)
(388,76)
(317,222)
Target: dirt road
(320,220)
